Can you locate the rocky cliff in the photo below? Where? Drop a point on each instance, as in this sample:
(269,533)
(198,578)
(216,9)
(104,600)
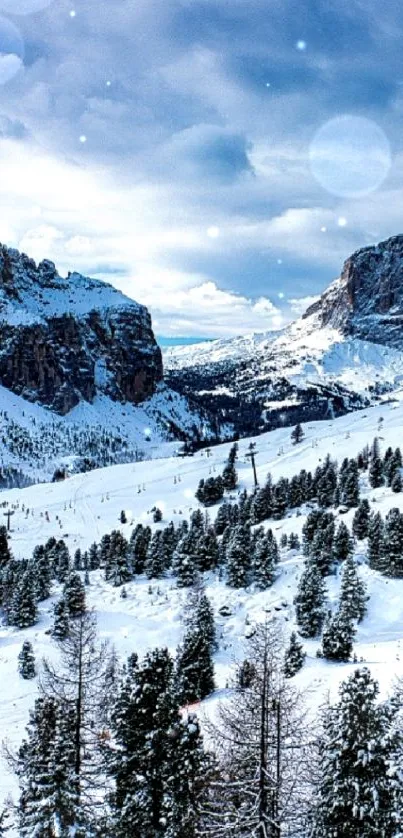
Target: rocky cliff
(63,340)
(367,300)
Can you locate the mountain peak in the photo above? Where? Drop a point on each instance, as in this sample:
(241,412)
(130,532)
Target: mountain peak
(67,339)
(367,300)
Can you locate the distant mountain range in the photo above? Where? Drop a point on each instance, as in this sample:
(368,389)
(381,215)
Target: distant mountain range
(343,353)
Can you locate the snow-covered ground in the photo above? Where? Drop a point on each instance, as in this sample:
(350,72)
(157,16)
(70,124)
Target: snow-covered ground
(85,506)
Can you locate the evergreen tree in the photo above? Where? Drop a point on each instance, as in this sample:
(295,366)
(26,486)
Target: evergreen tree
(230,477)
(74,595)
(156,562)
(139,544)
(264,561)
(78,560)
(93,557)
(338,636)
(375,474)
(392,563)
(157,515)
(310,602)
(297,434)
(223,518)
(5,552)
(61,623)
(238,557)
(207,550)
(184,562)
(117,560)
(353,594)
(26,661)
(159,766)
(60,559)
(376,542)
(356,786)
(343,544)
(194,665)
(46,775)
(397,482)
(361,519)
(42,573)
(189,770)
(351,492)
(24,612)
(294,657)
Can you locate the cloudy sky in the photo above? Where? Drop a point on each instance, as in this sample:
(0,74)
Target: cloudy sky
(215,159)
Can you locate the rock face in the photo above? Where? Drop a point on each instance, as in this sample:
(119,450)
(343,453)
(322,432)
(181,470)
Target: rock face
(65,340)
(367,301)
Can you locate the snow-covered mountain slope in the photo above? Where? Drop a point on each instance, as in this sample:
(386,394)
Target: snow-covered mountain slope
(81,379)
(84,507)
(37,442)
(343,352)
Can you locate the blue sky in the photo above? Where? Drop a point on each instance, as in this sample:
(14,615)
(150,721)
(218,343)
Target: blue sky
(215,160)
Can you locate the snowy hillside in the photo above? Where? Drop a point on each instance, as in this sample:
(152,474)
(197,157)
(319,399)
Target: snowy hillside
(86,506)
(341,354)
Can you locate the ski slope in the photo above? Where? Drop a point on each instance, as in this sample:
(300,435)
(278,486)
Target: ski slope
(85,506)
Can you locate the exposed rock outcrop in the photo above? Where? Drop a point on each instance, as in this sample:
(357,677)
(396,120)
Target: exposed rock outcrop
(367,301)
(64,340)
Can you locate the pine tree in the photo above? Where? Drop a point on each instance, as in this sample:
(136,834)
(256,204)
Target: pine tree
(190,769)
(338,636)
(293,541)
(351,493)
(78,560)
(222,518)
(230,477)
(47,799)
(144,725)
(361,519)
(194,666)
(238,557)
(353,593)
(294,657)
(24,611)
(156,560)
(74,595)
(93,557)
(26,661)
(207,550)
(61,623)
(117,560)
(392,563)
(356,788)
(42,573)
(139,544)
(60,560)
(310,602)
(5,552)
(184,562)
(375,474)
(343,544)
(297,434)
(264,561)
(376,542)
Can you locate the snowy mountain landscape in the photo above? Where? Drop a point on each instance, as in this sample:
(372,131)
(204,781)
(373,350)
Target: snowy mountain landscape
(289,541)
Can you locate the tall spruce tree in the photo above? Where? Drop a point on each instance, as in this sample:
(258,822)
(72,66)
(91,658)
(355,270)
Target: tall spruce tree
(376,531)
(353,593)
(238,557)
(338,636)
(310,602)
(361,519)
(356,786)
(74,595)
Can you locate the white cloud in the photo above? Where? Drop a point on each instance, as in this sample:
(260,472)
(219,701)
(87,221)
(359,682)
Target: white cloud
(299,305)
